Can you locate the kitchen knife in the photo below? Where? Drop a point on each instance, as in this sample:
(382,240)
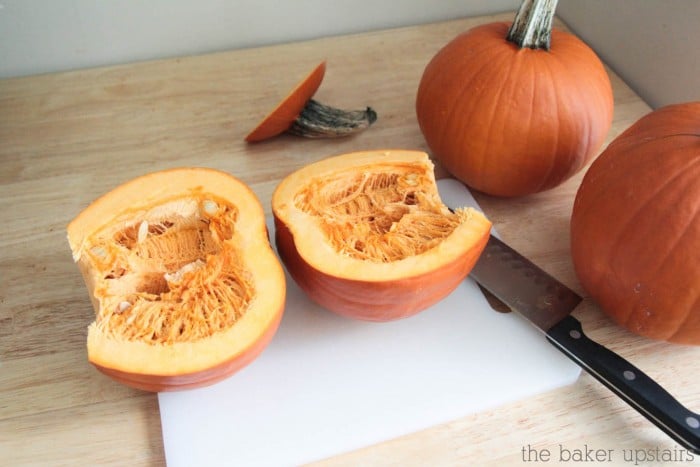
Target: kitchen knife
(546,303)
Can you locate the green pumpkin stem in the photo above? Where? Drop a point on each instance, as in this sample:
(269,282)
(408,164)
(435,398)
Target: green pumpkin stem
(532,27)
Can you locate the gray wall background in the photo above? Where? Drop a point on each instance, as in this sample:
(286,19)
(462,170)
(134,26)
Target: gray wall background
(652,44)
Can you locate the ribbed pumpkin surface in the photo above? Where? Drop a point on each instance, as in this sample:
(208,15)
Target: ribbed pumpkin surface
(635,227)
(511,121)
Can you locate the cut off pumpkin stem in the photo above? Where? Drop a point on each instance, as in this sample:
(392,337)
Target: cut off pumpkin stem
(318,120)
(532,27)
(301,115)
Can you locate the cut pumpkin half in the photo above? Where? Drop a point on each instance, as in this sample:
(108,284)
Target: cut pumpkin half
(366,235)
(183,280)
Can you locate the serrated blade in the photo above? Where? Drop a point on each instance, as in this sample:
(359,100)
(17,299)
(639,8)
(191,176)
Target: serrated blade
(523,286)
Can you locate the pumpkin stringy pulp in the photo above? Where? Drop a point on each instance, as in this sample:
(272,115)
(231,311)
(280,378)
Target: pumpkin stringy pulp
(172,274)
(379,216)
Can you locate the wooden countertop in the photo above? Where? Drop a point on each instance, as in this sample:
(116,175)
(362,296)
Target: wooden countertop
(67,138)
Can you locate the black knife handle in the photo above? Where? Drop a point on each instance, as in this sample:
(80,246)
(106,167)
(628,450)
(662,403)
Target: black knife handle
(628,382)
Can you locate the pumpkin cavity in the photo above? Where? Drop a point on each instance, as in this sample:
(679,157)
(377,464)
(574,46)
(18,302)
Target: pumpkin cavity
(171,274)
(366,235)
(379,215)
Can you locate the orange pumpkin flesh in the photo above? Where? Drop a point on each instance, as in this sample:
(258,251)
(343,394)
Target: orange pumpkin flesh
(365,234)
(281,118)
(511,121)
(184,283)
(635,226)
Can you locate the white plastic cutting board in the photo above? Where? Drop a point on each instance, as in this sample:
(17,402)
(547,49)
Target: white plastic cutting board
(327,384)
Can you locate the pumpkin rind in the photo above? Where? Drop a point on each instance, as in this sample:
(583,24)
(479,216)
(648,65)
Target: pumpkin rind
(363,288)
(635,226)
(152,287)
(510,121)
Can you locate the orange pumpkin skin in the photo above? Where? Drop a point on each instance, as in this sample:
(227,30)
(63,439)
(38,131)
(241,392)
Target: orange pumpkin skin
(374,301)
(635,227)
(511,121)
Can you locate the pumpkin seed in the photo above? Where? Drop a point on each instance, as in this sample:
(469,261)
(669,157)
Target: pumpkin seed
(143,232)
(210,207)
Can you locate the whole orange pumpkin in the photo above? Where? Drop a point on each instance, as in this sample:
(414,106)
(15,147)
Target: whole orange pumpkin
(635,226)
(510,114)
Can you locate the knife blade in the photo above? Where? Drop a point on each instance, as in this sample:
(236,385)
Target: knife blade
(547,304)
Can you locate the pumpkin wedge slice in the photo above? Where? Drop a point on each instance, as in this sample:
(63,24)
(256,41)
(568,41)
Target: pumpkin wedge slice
(184,282)
(366,235)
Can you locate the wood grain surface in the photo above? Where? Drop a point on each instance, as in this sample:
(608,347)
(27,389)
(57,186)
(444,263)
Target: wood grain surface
(67,138)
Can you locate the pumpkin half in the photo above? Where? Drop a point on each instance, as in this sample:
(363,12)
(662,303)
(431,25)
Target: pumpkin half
(182,277)
(366,235)
(635,226)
